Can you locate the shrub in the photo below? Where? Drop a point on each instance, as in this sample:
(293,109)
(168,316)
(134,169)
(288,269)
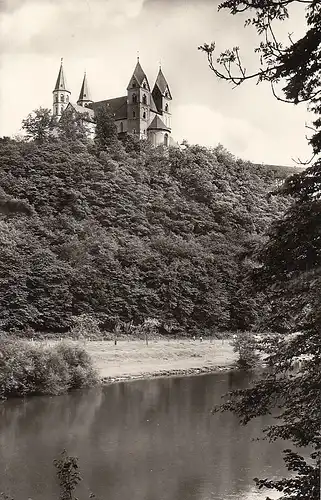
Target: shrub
(85,326)
(28,369)
(246,346)
(68,475)
(81,370)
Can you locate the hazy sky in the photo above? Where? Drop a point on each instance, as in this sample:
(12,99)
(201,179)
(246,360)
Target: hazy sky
(103,37)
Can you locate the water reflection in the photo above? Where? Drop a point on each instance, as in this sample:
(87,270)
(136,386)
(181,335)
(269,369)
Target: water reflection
(145,440)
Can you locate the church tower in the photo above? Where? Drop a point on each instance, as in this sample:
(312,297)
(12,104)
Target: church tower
(162,98)
(138,103)
(84,96)
(60,94)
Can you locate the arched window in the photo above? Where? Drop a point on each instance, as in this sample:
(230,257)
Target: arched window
(56,98)
(67,98)
(166,108)
(61,109)
(134,114)
(134,131)
(62,97)
(134,98)
(56,110)
(166,140)
(144,115)
(144,99)
(134,84)
(121,127)
(144,85)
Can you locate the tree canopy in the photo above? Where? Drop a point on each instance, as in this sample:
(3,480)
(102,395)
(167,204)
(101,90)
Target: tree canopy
(123,231)
(39,125)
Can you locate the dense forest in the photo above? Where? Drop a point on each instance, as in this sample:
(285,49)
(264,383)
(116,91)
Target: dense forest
(121,232)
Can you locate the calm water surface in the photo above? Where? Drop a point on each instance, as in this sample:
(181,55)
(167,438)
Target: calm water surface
(144,440)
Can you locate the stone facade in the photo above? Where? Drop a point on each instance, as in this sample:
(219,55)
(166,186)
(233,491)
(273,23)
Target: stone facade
(142,111)
(61,95)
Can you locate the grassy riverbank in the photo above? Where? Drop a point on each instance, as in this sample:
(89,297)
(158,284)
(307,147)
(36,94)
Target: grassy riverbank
(52,367)
(134,359)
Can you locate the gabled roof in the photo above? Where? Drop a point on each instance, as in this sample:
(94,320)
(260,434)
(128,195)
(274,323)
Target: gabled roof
(84,92)
(158,124)
(162,84)
(139,76)
(118,106)
(81,109)
(61,80)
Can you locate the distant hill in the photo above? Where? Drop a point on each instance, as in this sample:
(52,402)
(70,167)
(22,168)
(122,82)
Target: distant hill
(127,232)
(280,171)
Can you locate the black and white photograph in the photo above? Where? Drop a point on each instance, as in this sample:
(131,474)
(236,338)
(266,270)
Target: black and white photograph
(160,249)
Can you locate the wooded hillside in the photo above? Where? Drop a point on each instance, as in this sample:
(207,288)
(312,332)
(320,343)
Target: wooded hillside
(125,232)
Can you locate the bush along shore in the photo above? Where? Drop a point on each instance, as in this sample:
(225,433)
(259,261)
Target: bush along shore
(29,369)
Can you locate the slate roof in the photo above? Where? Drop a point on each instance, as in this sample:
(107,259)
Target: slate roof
(61,80)
(84,92)
(153,105)
(161,83)
(158,124)
(139,75)
(118,106)
(81,109)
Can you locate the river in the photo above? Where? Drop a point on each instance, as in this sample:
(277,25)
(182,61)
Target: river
(143,440)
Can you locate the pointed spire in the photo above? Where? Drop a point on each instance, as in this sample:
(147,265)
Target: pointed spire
(162,84)
(84,92)
(61,81)
(139,75)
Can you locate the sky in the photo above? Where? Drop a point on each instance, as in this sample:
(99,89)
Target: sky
(104,37)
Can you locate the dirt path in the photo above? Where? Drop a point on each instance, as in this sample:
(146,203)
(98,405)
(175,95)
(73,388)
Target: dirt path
(134,359)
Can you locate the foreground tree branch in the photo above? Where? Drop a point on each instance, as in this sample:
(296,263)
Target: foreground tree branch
(295,68)
(288,267)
